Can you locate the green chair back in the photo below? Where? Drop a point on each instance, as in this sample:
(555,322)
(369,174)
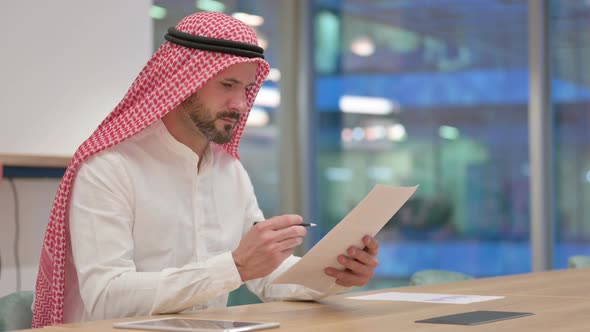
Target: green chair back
(242,296)
(427,277)
(15,311)
(579,261)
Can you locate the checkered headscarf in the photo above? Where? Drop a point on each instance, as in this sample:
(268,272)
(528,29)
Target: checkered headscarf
(172,75)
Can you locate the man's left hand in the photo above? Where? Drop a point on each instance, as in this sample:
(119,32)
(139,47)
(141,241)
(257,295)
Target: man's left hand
(360,264)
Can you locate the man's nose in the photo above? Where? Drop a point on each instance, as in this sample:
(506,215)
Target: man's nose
(239,102)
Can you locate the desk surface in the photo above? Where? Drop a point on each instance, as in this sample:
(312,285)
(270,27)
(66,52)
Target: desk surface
(560,300)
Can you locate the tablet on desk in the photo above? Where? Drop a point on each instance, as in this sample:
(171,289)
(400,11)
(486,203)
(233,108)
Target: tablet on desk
(475,317)
(195,325)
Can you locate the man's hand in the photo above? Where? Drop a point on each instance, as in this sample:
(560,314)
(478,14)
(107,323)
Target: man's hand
(360,264)
(267,245)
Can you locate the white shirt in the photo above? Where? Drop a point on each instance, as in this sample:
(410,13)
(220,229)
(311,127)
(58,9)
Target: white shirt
(151,234)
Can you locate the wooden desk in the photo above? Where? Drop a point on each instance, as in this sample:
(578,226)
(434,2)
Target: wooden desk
(559,299)
(557,283)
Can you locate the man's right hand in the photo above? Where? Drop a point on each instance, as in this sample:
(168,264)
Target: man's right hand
(267,245)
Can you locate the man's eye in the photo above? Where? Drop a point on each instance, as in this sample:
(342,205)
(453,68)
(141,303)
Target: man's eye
(227,85)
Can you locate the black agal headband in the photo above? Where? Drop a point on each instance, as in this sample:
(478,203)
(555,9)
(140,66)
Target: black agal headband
(214,44)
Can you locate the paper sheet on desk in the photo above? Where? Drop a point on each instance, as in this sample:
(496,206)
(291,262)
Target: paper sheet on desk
(367,218)
(426,297)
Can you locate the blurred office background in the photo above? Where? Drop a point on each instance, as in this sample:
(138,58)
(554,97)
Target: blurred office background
(427,92)
(435,93)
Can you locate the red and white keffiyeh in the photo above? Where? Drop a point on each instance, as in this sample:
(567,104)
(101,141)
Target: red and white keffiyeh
(172,74)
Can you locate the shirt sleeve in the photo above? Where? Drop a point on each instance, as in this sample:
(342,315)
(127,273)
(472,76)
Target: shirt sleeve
(101,232)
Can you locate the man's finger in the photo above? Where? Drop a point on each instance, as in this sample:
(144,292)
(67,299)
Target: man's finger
(371,245)
(290,232)
(363,256)
(288,243)
(355,266)
(284,221)
(346,278)
(286,253)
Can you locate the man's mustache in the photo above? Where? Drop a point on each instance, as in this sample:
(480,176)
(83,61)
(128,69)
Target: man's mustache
(228,114)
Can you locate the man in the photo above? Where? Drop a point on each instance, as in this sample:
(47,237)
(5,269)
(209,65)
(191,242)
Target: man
(159,217)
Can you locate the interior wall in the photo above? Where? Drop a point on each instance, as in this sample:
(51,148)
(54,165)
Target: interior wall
(35,198)
(65,64)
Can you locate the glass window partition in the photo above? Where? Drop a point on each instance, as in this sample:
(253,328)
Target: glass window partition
(569,45)
(432,93)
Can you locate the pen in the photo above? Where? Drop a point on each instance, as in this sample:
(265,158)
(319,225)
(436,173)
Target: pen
(305,224)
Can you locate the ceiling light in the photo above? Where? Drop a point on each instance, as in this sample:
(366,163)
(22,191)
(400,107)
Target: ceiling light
(366,105)
(210,5)
(268,97)
(157,12)
(249,19)
(448,132)
(257,117)
(362,46)
(274,75)
(396,132)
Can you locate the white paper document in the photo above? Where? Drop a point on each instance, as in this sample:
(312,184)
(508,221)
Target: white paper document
(367,218)
(426,297)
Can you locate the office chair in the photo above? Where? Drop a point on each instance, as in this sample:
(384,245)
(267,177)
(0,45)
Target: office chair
(578,261)
(427,277)
(15,311)
(242,296)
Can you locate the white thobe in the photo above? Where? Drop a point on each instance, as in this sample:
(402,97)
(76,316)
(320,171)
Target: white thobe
(153,234)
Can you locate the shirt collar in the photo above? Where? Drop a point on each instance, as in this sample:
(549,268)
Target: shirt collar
(180,149)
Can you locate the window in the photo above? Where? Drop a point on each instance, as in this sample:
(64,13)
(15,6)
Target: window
(436,94)
(569,45)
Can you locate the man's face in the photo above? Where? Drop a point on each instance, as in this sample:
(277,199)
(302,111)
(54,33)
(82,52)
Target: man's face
(214,110)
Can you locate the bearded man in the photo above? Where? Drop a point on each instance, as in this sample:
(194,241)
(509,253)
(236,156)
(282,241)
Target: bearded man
(155,212)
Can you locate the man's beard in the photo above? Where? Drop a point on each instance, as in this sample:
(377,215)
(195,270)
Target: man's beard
(205,123)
